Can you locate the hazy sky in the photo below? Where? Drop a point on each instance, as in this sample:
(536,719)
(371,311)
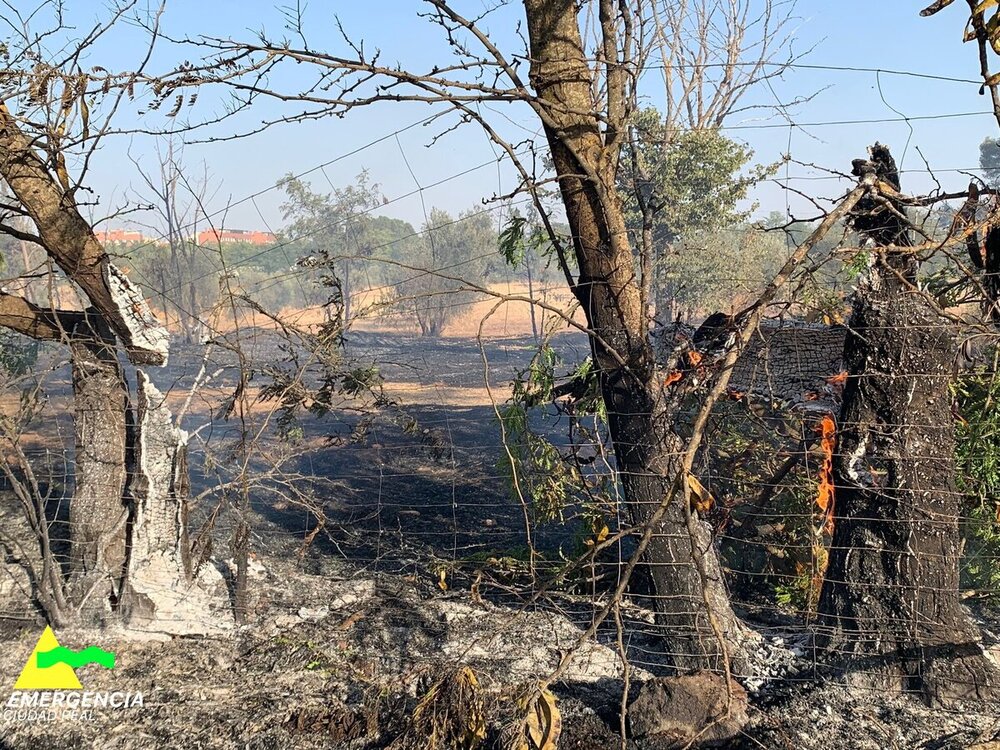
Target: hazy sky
(886,34)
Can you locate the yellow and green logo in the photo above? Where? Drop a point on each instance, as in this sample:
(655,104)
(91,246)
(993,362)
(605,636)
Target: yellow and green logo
(52,667)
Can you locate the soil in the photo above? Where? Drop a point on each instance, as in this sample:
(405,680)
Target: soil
(339,659)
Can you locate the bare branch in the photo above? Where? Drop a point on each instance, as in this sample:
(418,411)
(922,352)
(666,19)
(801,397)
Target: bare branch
(37,322)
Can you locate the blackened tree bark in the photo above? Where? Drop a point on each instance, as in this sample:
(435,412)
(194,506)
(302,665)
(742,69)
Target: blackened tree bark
(890,607)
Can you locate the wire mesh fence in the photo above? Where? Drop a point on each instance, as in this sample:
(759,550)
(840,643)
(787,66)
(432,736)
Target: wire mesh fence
(432,482)
(345,467)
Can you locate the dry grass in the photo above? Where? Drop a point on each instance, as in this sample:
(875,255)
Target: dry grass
(449,716)
(511,319)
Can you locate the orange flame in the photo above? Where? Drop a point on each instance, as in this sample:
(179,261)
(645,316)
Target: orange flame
(827,429)
(839,379)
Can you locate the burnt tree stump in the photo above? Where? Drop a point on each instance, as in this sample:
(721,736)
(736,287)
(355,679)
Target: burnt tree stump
(890,608)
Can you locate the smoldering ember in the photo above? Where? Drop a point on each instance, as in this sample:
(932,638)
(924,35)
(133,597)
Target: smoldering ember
(537,375)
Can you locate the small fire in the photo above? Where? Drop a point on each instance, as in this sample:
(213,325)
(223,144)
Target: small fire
(827,429)
(839,379)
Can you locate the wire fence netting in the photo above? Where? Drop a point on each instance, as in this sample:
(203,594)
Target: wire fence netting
(390,461)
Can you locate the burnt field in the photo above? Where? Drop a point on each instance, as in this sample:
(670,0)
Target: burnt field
(331,629)
(426,472)
(420,477)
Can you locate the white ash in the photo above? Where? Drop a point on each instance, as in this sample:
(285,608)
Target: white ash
(147,334)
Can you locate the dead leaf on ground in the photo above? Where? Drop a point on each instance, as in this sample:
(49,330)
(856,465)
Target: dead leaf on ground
(541,722)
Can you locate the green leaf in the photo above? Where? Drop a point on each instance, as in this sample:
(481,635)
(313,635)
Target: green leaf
(511,240)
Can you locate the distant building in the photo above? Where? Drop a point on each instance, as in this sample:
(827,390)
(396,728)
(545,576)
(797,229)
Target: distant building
(119,236)
(208,238)
(212,237)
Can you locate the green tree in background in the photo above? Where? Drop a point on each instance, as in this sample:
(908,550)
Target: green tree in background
(452,250)
(330,231)
(989,160)
(392,242)
(720,269)
(676,183)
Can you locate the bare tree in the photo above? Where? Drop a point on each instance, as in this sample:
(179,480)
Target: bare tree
(121,556)
(678,165)
(712,53)
(176,200)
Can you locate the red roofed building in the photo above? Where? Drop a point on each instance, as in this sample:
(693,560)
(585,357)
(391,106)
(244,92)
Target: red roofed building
(119,236)
(229,236)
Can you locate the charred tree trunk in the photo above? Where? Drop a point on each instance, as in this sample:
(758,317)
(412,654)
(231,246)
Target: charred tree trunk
(161,592)
(97,511)
(684,567)
(890,607)
(148,547)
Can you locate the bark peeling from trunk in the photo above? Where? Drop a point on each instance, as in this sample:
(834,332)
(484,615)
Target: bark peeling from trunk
(146,333)
(161,594)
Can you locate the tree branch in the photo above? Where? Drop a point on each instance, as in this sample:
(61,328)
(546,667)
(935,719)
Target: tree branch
(69,239)
(19,315)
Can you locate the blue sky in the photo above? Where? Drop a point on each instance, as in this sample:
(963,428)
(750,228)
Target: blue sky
(886,34)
